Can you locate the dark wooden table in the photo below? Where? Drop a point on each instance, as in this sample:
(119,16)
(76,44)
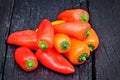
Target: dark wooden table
(103,64)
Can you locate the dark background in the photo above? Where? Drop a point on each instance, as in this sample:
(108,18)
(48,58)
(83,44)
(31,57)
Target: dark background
(103,64)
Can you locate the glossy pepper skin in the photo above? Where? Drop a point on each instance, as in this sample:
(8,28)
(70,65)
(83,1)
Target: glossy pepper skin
(26,59)
(54,61)
(62,43)
(45,35)
(74,15)
(79,30)
(92,40)
(58,22)
(55,22)
(25,38)
(78,53)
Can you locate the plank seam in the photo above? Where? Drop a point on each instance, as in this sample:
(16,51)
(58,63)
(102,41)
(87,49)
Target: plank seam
(93,53)
(6,35)
(86,7)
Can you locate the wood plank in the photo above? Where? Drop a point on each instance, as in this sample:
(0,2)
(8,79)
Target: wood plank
(26,15)
(105,20)
(5,18)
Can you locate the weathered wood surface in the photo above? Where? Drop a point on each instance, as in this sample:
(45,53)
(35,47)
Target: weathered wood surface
(5,22)
(105,19)
(103,64)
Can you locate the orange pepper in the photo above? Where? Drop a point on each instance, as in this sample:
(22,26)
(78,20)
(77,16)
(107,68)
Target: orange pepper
(78,52)
(62,43)
(92,40)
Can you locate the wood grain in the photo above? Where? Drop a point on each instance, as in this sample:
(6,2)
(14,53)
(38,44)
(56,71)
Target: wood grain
(5,20)
(105,20)
(27,14)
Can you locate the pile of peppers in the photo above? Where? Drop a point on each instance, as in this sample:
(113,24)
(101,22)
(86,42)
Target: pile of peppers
(58,45)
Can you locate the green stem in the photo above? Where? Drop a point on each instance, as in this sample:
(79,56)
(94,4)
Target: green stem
(83,57)
(30,64)
(65,45)
(84,18)
(43,45)
(91,47)
(87,33)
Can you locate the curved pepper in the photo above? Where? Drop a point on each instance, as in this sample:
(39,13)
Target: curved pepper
(54,61)
(25,38)
(92,40)
(79,30)
(74,15)
(26,59)
(78,52)
(45,35)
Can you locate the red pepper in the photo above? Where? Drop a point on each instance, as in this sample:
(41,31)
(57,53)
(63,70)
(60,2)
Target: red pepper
(45,35)
(54,61)
(74,15)
(25,38)
(26,59)
(79,30)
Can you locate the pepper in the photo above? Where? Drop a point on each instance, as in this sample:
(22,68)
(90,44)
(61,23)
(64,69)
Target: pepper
(58,22)
(25,38)
(45,35)
(74,15)
(55,22)
(79,30)
(54,61)
(62,43)
(92,40)
(78,53)
(26,59)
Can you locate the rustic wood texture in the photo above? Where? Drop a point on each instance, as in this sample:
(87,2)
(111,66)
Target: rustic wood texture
(106,21)
(5,21)
(26,14)
(103,64)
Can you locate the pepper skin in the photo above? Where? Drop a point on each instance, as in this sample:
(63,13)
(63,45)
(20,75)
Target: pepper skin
(78,52)
(92,40)
(58,22)
(79,30)
(25,38)
(55,22)
(26,59)
(74,15)
(62,43)
(54,61)
(45,35)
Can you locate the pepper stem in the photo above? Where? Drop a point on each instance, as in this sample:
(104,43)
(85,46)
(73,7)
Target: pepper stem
(83,57)
(30,64)
(91,47)
(87,33)
(65,45)
(84,18)
(43,45)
